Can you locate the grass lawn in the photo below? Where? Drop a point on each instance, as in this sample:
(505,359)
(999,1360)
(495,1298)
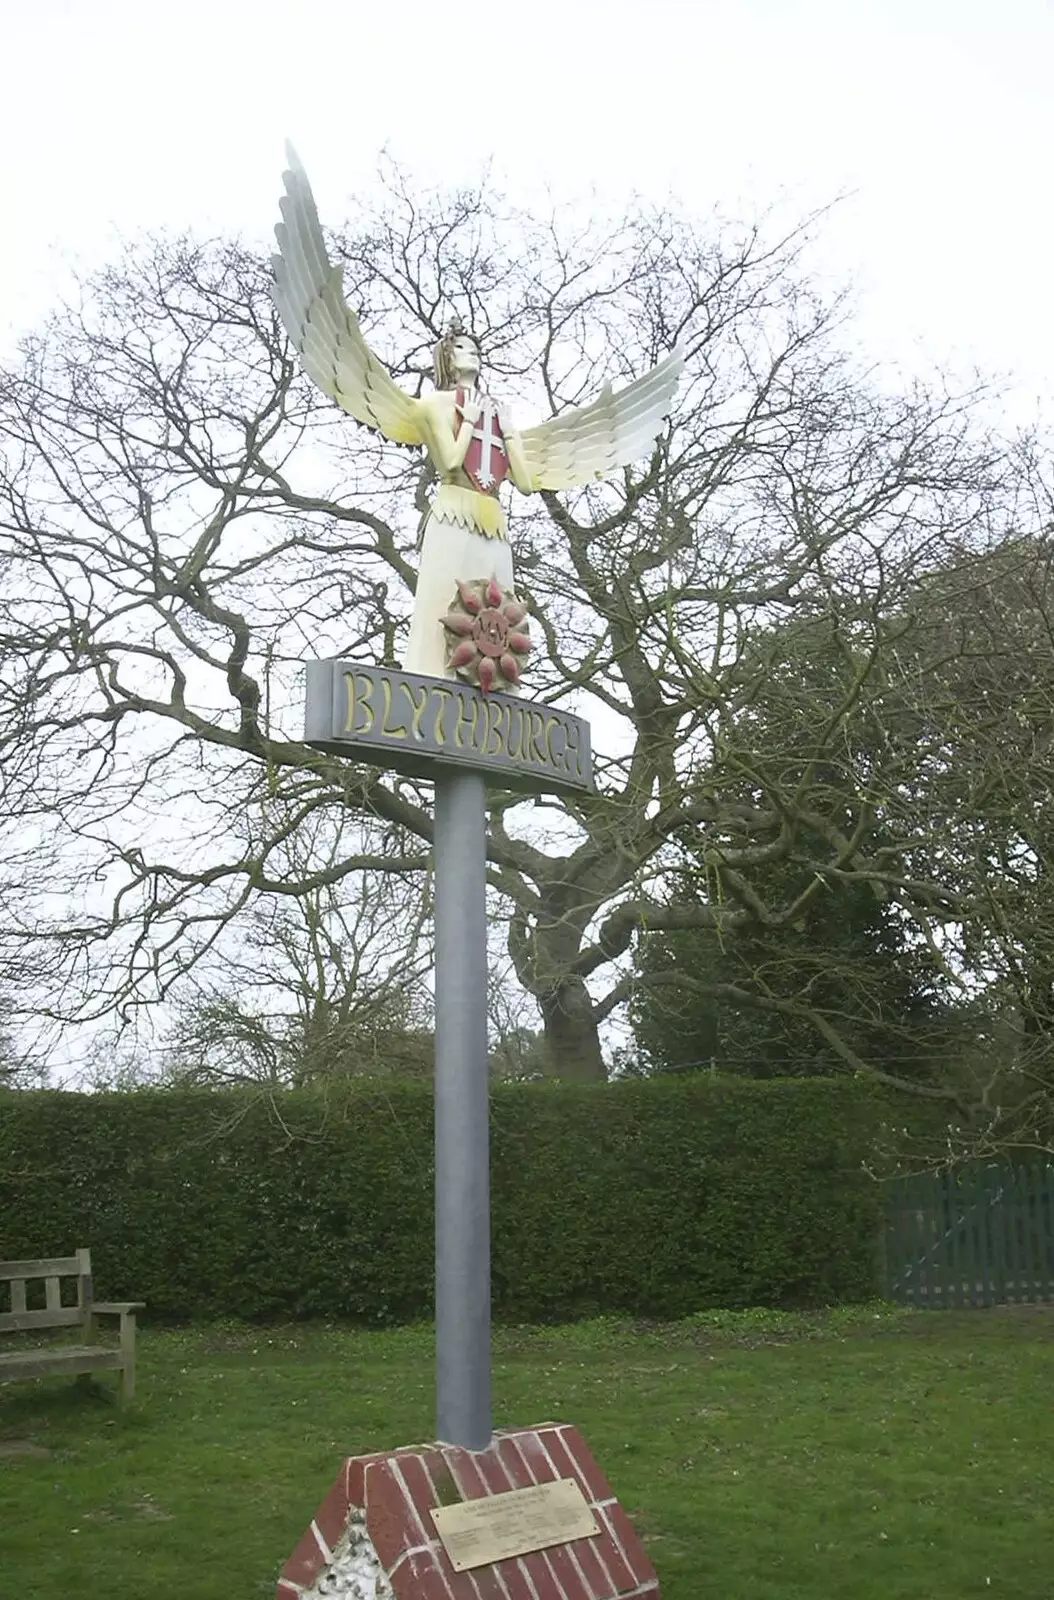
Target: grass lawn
(763,1456)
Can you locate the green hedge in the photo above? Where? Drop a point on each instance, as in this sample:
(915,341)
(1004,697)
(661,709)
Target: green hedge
(655,1198)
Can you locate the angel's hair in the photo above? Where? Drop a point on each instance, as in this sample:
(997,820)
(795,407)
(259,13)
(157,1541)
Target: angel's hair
(442,355)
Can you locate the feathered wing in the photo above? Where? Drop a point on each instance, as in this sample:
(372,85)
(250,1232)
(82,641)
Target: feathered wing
(309,296)
(593,441)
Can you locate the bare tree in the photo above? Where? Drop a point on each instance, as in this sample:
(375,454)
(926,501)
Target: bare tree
(331,983)
(184,521)
(18,1068)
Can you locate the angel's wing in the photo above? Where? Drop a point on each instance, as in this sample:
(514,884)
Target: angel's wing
(595,440)
(324,329)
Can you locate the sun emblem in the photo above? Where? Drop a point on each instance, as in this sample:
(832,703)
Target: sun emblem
(487,639)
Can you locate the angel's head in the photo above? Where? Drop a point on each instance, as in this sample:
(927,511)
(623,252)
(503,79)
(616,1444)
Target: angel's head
(457,357)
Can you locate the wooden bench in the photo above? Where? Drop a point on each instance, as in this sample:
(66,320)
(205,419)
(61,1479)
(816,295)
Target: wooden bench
(25,1316)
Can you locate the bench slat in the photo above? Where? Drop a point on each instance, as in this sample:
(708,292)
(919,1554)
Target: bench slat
(21,1321)
(18,1294)
(54,1266)
(53,1294)
(73,1358)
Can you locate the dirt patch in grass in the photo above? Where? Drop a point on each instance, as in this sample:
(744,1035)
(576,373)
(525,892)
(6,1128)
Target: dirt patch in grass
(1030,1322)
(13,1449)
(1041,1313)
(144,1509)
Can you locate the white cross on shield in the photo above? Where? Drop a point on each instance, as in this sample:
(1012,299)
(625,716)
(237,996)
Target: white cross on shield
(490,441)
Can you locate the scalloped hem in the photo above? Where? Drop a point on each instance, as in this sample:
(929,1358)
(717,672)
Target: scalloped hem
(469,509)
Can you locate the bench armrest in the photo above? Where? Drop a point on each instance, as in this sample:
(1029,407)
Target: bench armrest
(126,1310)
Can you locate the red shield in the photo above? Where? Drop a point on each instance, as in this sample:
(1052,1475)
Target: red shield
(486,460)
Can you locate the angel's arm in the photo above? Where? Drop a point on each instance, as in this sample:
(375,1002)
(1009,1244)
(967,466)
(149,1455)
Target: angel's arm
(519,470)
(447,448)
(310,300)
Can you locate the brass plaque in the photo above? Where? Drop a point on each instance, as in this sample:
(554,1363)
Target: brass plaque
(498,1526)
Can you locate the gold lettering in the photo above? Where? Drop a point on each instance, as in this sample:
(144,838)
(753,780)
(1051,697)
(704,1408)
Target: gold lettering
(438,729)
(517,720)
(483,726)
(359,687)
(537,749)
(467,701)
(572,754)
(399,731)
(418,706)
(554,725)
(495,745)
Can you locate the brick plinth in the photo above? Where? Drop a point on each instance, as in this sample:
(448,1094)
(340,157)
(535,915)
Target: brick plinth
(396,1491)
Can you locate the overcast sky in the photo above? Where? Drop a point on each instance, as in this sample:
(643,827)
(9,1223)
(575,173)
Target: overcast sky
(935,117)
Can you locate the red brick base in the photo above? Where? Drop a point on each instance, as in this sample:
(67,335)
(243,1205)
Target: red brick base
(396,1492)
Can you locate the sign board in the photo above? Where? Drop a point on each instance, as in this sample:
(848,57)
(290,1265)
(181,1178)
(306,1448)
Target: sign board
(477,1533)
(413,724)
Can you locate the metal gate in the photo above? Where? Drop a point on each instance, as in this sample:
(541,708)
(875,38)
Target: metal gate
(971,1236)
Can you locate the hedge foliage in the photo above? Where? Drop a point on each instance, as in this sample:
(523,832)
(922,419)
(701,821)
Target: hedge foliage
(654,1198)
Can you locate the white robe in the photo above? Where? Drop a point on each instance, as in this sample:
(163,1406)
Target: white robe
(450,552)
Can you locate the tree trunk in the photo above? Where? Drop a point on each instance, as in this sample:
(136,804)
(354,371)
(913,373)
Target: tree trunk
(571,1036)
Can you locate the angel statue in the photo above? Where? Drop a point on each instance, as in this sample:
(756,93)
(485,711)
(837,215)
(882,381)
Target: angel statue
(467,619)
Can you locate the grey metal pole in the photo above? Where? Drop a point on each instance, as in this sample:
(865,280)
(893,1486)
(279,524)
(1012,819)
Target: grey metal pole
(462,1128)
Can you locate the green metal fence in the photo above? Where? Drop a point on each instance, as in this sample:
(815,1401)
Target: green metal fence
(976,1236)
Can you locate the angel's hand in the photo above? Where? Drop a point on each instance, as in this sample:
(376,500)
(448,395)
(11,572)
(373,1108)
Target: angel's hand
(471,411)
